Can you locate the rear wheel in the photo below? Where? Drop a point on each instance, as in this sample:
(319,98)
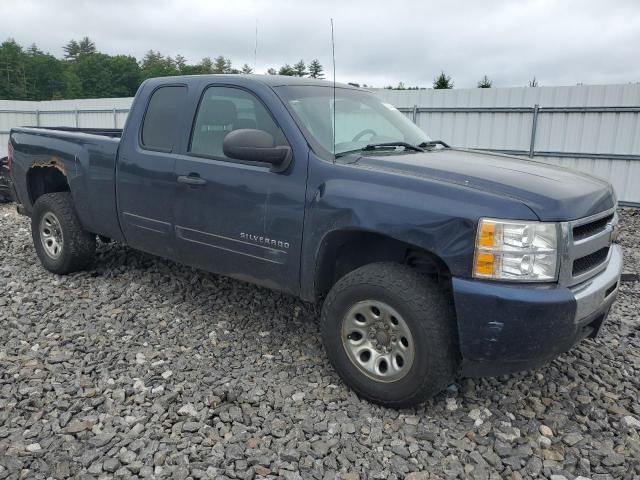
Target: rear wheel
(61,243)
(390,334)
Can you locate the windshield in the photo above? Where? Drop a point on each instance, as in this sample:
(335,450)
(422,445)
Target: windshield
(361,119)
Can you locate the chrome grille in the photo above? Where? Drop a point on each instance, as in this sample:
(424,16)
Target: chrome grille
(588,229)
(589,262)
(586,247)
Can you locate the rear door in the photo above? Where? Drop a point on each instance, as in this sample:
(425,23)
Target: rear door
(145,176)
(236,217)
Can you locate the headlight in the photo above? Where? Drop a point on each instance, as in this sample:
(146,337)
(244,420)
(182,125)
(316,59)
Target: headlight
(513,250)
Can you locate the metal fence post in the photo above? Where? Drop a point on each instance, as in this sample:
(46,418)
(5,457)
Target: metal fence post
(37,118)
(415,114)
(534,127)
(77,118)
(115,118)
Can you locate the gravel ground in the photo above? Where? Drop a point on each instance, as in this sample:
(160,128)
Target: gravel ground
(142,367)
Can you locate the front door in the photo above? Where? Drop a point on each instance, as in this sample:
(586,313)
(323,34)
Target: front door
(233,217)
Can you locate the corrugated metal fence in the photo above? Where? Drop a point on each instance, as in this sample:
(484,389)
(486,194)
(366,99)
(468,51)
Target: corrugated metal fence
(595,129)
(89,113)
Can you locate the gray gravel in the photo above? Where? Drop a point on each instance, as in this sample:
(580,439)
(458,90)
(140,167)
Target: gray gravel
(144,368)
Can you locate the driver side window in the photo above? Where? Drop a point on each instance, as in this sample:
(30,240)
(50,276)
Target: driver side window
(224,109)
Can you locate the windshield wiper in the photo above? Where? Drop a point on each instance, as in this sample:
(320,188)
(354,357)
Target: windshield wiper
(375,146)
(433,143)
(407,146)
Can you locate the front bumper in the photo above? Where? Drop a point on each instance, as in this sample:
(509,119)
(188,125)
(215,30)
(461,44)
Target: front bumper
(505,328)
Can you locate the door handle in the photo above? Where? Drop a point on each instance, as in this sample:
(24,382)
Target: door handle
(191,180)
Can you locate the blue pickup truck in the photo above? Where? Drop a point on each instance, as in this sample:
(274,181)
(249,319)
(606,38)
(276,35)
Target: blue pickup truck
(430,261)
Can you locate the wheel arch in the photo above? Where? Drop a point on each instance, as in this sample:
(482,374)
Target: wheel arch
(46,178)
(342,251)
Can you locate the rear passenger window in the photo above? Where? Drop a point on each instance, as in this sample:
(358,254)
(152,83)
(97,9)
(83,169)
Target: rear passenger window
(224,109)
(159,126)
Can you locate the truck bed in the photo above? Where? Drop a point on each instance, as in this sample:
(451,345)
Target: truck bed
(85,156)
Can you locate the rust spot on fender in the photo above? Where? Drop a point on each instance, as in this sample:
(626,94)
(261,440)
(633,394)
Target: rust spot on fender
(54,162)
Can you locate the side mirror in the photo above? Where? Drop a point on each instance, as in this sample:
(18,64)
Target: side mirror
(256,146)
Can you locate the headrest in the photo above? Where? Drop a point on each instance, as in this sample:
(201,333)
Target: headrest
(244,123)
(218,112)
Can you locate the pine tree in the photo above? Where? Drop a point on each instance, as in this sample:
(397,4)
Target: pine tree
(180,62)
(443,81)
(74,49)
(246,69)
(87,47)
(315,69)
(206,64)
(71,50)
(300,69)
(272,71)
(287,70)
(220,64)
(154,64)
(485,82)
(533,82)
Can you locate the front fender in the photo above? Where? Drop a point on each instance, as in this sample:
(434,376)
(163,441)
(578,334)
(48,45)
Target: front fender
(431,215)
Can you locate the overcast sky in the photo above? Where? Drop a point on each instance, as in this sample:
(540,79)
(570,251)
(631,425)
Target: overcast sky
(561,42)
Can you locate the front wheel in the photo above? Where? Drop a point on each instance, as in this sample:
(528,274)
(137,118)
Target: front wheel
(61,243)
(390,334)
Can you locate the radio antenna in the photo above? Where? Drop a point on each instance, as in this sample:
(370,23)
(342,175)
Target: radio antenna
(333,55)
(255,50)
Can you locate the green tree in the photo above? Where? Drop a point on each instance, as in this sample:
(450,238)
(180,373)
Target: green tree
(287,70)
(34,50)
(74,49)
(71,50)
(154,64)
(125,75)
(180,62)
(221,65)
(87,46)
(315,69)
(300,69)
(246,69)
(272,71)
(105,76)
(44,74)
(485,82)
(533,82)
(94,75)
(73,84)
(193,70)
(206,64)
(442,81)
(13,75)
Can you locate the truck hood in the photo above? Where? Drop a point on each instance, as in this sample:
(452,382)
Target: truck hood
(553,193)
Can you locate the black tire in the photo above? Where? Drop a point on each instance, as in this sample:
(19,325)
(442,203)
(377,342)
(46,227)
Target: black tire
(78,246)
(426,311)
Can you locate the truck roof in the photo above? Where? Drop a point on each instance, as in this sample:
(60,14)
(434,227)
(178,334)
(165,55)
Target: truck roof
(271,80)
